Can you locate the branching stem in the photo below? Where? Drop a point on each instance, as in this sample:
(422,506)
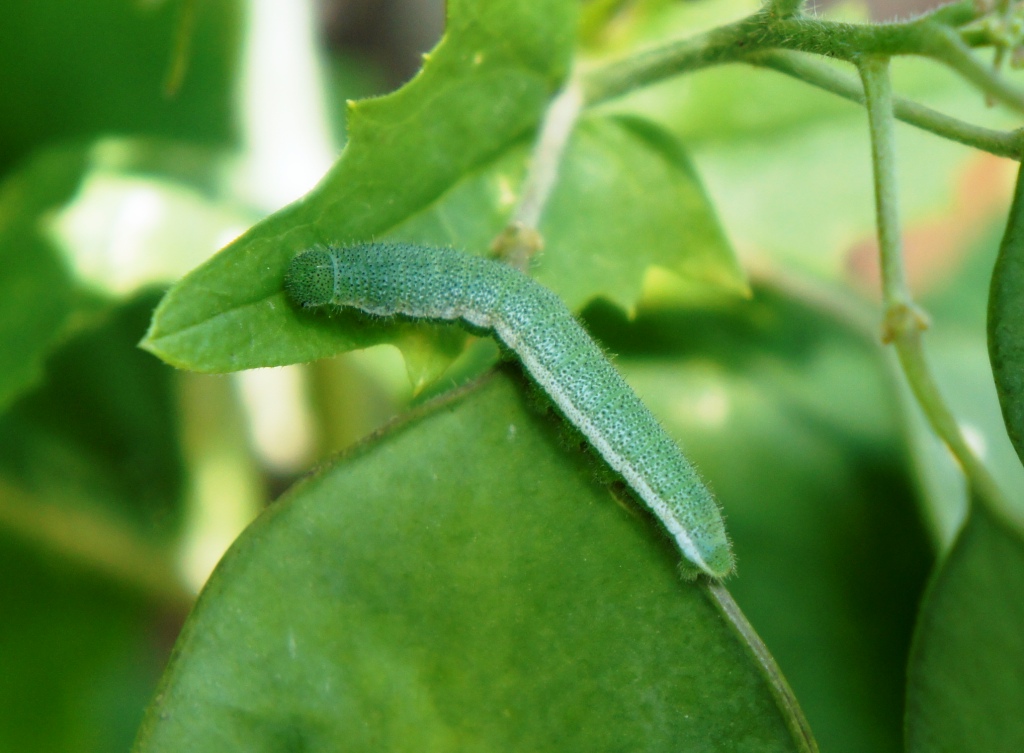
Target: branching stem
(929,36)
(770,39)
(1000,143)
(903,321)
(878,93)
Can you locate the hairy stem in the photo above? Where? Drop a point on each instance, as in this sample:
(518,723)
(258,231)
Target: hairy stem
(878,93)
(766,31)
(656,64)
(903,321)
(946,46)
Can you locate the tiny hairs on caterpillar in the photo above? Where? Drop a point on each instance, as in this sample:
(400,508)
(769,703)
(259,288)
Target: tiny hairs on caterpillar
(390,279)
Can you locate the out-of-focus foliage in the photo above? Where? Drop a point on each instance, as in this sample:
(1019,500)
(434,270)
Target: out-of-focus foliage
(464,580)
(75,71)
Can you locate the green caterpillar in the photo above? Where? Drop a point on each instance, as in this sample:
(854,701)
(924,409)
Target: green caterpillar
(388,279)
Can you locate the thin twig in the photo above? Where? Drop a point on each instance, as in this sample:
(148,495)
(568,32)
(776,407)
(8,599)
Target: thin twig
(521,238)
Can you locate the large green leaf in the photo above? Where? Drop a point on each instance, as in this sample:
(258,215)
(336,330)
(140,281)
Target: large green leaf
(462,583)
(966,677)
(1006,322)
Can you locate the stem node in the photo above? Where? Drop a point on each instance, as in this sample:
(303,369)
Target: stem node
(517,243)
(903,319)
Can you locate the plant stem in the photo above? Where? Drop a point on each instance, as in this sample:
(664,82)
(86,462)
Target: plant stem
(878,93)
(1001,143)
(764,31)
(956,14)
(554,135)
(912,358)
(903,321)
(101,544)
(784,696)
(946,46)
(721,45)
(520,239)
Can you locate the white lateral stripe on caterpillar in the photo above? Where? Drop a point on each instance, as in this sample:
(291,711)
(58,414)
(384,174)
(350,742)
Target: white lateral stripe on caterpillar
(617,461)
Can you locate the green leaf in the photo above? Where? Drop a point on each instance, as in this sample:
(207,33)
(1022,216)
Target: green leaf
(1006,322)
(481,91)
(966,675)
(628,198)
(35,287)
(460,584)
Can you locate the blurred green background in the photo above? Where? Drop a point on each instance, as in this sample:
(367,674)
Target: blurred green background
(138,136)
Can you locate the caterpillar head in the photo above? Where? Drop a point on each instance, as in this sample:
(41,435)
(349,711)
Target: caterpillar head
(310,278)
